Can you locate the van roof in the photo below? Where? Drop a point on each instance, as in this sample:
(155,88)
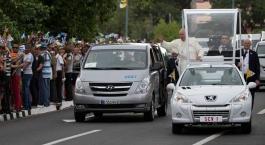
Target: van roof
(141,46)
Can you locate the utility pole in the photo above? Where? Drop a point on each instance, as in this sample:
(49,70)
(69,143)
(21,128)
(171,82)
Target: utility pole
(233,3)
(126,22)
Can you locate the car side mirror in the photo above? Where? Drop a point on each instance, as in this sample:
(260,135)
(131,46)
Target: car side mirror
(170,87)
(252,85)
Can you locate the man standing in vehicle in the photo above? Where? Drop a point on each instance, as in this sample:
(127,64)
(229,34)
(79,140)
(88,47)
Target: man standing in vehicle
(194,52)
(250,66)
(172,70)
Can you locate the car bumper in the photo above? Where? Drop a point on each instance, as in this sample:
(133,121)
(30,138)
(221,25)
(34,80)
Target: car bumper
(231,113)
(129,103)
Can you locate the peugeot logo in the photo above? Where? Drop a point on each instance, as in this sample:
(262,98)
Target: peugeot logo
(109,87)
(211,98)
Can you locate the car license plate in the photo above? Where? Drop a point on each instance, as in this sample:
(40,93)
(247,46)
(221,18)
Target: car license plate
(109,102)
(211,118)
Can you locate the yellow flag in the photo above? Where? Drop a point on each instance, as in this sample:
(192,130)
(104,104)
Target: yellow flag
(249,73)
(123,4)
(173,76)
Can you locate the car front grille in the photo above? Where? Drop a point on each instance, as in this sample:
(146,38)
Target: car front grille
(110,89)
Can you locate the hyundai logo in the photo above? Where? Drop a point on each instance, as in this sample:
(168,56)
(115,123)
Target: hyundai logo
(211,98)
(109,87)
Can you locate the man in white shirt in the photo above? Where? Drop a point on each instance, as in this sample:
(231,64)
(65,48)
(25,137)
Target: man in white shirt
(27,75)
(194,52)
(59,79)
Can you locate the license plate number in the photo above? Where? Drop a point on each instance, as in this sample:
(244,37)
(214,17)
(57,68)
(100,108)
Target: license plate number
(109,102)
(211,118)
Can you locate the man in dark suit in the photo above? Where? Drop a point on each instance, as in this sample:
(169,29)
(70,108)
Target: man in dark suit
(250,65)
(225,48)
(172,71)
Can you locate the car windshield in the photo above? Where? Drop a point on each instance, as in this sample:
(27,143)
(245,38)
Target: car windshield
(211,76)
(121,59)
(261,49)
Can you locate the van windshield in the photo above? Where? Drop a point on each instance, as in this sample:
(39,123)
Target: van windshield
(116,59)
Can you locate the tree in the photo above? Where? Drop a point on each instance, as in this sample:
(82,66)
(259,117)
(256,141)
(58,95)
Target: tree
(143,17)
(253,13)
(167,31)
(80,18)
(26,15)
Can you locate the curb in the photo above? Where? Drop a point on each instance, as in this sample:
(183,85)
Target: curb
(34,111)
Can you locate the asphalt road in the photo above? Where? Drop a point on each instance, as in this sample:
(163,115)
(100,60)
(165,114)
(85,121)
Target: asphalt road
(125,129)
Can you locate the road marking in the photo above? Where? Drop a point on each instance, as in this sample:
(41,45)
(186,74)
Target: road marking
(208,139)
(261,112)
(71,137)
(68,120)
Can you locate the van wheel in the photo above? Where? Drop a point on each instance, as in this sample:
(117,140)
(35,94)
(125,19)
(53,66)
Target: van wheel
(177,128)
(98,114)
(150,115)
(80,116)
(162,110)
(246,127)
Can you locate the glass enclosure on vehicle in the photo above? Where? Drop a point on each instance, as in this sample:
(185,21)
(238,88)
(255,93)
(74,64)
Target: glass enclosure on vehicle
(211,76)
(122,59)
(214,29)
(261,49)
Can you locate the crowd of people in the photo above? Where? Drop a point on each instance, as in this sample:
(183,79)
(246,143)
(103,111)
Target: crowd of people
(37,72)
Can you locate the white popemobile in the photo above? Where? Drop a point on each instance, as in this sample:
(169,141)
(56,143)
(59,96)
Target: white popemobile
(212,91)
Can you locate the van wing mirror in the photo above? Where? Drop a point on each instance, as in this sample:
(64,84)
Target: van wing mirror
(252,85)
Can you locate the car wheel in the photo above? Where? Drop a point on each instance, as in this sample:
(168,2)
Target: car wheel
(80,116)
(177,128)
(162,110)
(246,127)
(98,114)
(150,115)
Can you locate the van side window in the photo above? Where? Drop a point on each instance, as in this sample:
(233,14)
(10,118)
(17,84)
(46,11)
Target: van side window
(153,60)
(157,54)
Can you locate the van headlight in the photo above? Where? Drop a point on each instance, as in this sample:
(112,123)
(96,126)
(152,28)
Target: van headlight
(79,87)
(242,97)
(143,86)
(180,98)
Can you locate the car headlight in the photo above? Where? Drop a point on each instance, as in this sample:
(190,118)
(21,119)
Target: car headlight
(180,98)
(242,97)
(143,86)
(79,88)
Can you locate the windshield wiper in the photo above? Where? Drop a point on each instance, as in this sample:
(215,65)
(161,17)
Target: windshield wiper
(108,68)
(95,68)
(220,84)
(119,68)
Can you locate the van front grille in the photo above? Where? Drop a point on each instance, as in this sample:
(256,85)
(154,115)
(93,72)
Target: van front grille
(110,89)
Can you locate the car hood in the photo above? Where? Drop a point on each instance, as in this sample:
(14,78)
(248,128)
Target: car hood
(113,75)
(197,94)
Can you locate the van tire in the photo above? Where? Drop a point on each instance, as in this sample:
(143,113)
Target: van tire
(246,127)
(150,115)
(177,128)
(98,114)
(80,116)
